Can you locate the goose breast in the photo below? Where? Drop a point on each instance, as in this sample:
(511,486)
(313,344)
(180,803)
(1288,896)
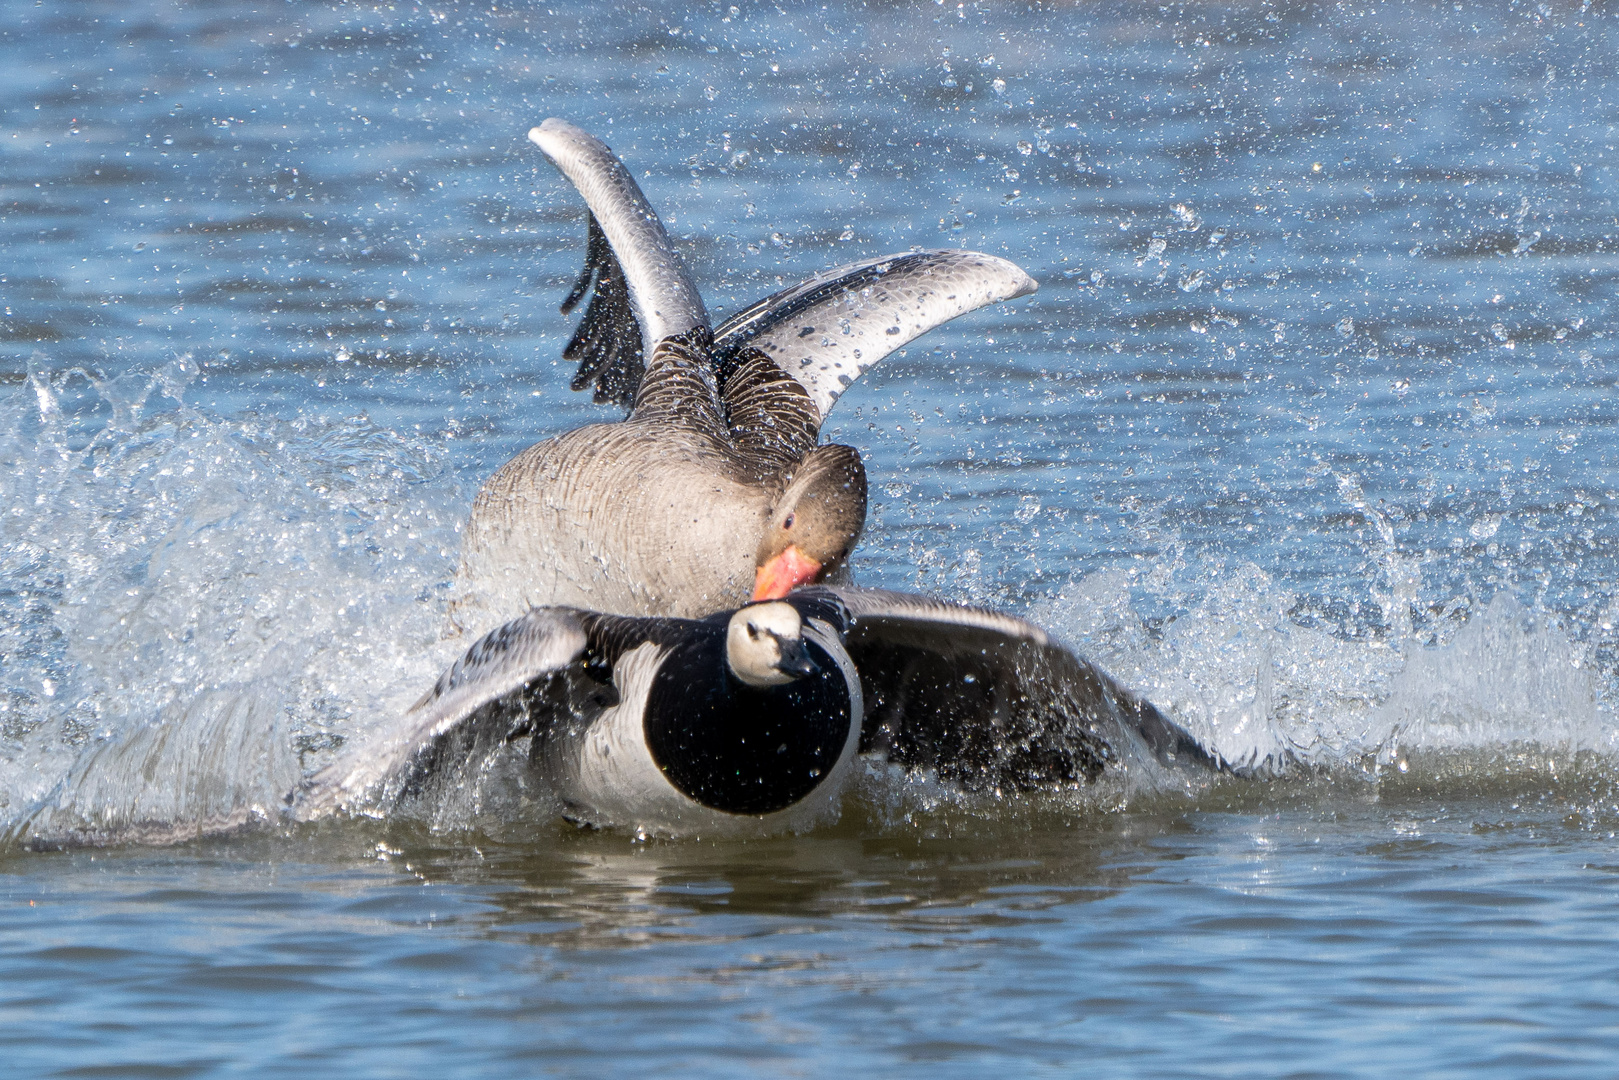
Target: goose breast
(627,518)
(653,724)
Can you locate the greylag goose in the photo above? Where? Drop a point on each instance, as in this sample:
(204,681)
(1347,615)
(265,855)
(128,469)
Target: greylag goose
(713,490)
(748,722)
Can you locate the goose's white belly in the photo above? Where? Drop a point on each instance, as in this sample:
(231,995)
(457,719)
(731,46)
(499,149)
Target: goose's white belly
(604,772)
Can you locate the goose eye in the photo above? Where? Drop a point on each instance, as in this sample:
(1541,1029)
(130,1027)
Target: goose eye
(753,632)
(789,522)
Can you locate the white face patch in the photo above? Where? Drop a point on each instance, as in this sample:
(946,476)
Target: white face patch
(754,639)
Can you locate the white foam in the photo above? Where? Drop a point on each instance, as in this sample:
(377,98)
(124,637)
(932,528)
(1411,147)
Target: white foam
(1508,676)
(195,610)
(1271,695)
(193,607)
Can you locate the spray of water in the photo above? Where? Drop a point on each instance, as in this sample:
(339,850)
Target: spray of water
(196,611)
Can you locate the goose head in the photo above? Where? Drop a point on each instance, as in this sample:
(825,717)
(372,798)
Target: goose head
(815,524)
(764,645)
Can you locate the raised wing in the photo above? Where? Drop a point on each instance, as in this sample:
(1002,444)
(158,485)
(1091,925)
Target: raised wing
(642,292)
(989,700)
(830,329)
(607,342)
(543,642)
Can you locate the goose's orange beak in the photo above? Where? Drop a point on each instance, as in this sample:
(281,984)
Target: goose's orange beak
(781,575)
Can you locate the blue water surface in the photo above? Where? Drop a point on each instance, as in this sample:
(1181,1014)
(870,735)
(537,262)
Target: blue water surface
(1308,435)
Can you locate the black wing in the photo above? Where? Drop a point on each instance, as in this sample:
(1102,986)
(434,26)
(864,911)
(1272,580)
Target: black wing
(988,700)
(531,665)
(607,342)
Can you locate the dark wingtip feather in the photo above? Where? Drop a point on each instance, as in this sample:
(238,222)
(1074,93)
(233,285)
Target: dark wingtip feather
(607,341)
(1169,742)
(597,252)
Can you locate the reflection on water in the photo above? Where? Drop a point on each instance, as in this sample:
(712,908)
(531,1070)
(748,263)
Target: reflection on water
(1149,944)
(611,896)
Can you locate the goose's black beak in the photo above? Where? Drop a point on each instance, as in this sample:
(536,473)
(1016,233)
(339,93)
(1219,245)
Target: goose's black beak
(795,659)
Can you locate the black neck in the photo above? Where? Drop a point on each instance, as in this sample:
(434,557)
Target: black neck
(741,749)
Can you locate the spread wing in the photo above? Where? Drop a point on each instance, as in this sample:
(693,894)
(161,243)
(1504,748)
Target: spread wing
(460,712)
(607,342)
(989,700)
(827,331)
(642,292)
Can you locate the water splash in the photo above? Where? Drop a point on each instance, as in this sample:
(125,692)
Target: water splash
(192,608)
(1276,697)
(196,611)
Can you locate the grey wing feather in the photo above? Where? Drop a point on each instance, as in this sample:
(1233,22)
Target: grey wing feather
(543,641)
(939,618)
(636,269)
(990,700)
(827,331)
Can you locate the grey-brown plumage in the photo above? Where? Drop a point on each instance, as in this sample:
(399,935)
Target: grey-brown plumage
(716,472)
(664,513)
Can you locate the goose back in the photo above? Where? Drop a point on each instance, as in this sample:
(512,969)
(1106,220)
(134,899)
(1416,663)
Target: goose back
(641,723)
(633,722)
(666,513)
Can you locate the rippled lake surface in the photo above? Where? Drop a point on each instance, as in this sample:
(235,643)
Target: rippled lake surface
(1309,435)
